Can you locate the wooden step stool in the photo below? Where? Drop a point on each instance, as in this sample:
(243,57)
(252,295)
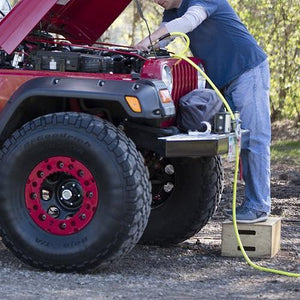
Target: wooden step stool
(259,239)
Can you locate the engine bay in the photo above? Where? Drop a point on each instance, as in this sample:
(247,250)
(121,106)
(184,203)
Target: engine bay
(46,53)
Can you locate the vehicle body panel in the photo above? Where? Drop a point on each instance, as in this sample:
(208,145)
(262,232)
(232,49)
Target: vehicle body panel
(79,21)
(183,79)
(11,80)
(20,21)
(82,22)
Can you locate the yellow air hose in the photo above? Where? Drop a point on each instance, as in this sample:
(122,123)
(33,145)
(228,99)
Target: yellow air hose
(183,56)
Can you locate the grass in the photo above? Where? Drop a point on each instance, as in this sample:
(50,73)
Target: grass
(286,151)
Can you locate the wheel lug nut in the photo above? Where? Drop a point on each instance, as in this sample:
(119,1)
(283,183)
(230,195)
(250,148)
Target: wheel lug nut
(168,187)
(45,195)
(169,169)
(53,211)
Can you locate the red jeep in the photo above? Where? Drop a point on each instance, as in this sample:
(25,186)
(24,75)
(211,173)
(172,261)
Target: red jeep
(91,159)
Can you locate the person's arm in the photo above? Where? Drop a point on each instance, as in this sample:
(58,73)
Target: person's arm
(193,17)
(145,43)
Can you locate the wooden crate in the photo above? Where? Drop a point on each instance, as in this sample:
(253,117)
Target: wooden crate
(259,239)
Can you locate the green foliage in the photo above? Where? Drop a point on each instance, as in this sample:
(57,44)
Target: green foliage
(13,2)
(275,24)
(287,151)
(129,28)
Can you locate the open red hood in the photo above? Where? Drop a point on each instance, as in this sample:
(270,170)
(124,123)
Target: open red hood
(81,21)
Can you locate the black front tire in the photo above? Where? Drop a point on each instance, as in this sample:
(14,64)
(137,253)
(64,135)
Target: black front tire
(37,173)
(186,192)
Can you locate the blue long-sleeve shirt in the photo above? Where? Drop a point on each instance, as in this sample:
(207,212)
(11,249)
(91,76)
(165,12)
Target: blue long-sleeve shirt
(222,41)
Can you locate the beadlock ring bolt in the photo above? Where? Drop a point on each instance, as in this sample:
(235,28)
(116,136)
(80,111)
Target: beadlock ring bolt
(60,165)
(33,196)
(41,174)
(63,225)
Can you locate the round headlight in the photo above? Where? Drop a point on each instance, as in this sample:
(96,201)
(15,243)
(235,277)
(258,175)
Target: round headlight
(167,78)
(201,79)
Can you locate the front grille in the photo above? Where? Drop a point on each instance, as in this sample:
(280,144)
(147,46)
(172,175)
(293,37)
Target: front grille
(185,79)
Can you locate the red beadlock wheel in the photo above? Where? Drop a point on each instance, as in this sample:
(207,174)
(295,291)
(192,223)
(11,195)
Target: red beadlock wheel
(61,195)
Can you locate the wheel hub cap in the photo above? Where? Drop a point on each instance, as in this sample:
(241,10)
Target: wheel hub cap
(67,194)
(70,194)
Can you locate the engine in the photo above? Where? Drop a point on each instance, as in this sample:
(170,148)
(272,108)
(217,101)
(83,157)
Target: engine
(93,62)
(69,58)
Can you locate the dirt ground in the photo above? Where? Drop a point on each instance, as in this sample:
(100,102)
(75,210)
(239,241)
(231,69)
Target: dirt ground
(194,269)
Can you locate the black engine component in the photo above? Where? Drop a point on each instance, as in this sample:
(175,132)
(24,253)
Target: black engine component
(5,60)
(91,62)
(56,61)
(95,64)
(2,59)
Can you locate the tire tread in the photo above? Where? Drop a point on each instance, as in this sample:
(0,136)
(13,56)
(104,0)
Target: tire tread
(134,171)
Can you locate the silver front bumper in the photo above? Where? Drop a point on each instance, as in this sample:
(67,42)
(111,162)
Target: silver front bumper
(185,145)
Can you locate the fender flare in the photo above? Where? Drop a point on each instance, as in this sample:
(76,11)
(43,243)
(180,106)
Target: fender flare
(87,88)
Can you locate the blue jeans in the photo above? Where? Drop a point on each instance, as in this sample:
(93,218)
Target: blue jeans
(249,94)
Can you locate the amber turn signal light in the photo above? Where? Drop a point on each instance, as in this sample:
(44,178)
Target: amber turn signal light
(134,104)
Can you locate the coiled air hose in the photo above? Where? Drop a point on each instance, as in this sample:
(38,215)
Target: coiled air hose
(183,56)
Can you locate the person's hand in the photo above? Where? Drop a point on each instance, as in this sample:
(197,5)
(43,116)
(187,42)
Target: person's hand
(143,44)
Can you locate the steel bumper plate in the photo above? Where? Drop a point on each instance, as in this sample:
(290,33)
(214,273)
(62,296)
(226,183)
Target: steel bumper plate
(186,145)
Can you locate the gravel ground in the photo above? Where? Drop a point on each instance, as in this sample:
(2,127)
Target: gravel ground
(194,269)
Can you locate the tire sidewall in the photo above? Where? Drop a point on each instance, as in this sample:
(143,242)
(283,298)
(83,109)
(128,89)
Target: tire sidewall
(192,202)
(108,225)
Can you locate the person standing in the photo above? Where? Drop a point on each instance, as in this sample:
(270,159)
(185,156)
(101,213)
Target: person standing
(239,67)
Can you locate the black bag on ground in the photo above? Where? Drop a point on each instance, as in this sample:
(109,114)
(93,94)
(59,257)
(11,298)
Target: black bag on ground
(197,106)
